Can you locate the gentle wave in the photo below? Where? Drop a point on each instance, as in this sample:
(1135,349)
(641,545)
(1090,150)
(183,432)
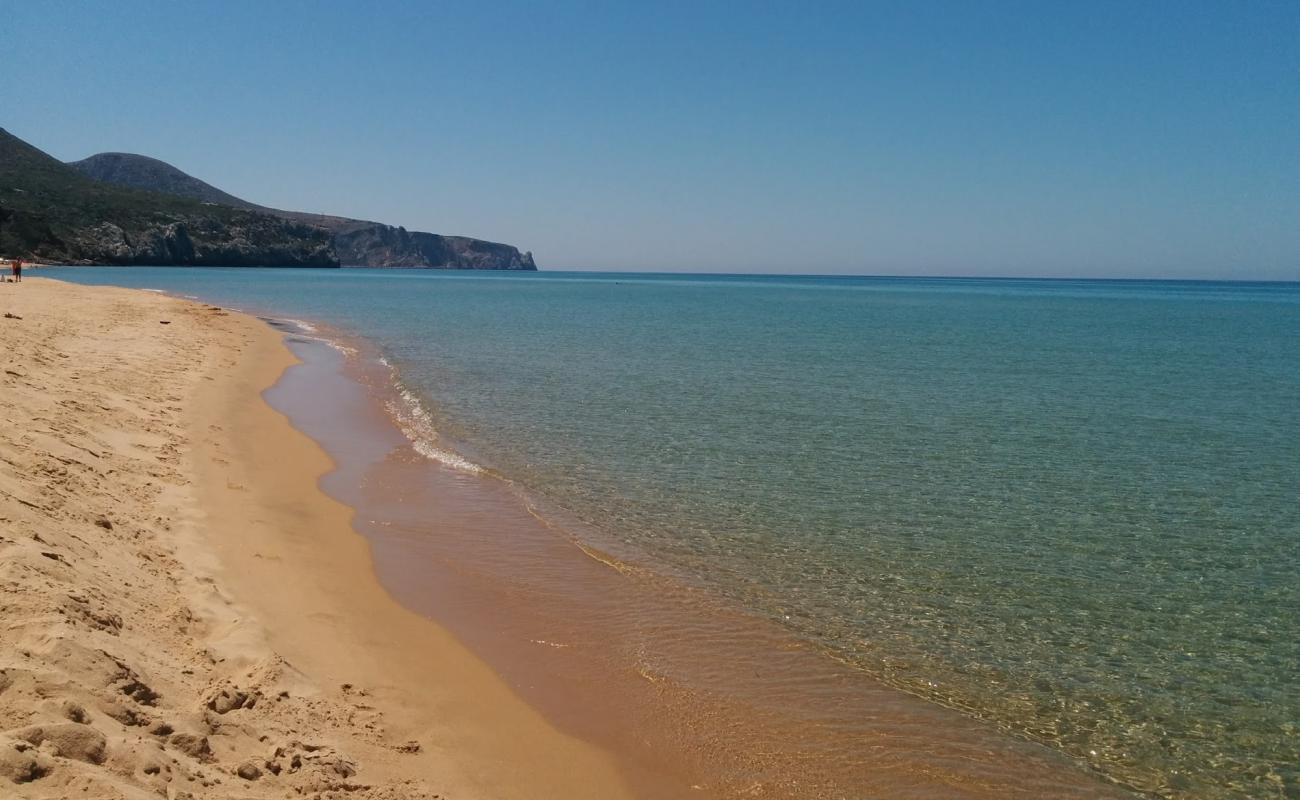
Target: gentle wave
(302,324)
(342,348)
(412,418)
(416,424)
(304,330)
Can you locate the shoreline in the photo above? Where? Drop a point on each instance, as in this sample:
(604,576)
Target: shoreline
(221,630)
(566,652)
(566,687)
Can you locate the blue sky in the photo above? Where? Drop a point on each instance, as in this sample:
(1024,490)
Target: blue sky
(1036,138)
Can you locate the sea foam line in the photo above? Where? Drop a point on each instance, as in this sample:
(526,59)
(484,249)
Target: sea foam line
(416,424)
(302,325)
(305,330)
(342,348)
(413,419)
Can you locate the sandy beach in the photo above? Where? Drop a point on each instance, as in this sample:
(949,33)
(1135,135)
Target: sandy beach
(183,613)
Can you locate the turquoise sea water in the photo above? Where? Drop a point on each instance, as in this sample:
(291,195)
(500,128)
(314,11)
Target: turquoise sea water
(1066,507)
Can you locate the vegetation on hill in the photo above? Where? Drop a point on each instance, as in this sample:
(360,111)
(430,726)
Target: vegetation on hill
(358,243)
(142,172)
(52,212)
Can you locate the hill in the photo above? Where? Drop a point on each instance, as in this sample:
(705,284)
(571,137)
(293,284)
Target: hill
(50,211)
(142,172)
(360,243)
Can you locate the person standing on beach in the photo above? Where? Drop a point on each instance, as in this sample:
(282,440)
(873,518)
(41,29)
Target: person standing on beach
(18,270)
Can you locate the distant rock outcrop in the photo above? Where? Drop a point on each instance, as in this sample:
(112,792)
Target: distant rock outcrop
(358,243)
(374,244)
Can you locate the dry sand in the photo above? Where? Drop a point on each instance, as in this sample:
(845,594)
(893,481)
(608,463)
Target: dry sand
(183,613)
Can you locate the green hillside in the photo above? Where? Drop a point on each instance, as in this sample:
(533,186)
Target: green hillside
(50,211)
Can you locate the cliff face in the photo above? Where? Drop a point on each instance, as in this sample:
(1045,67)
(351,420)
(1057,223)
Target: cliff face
(357,243)
(253,242)
(52,212)
(373,244)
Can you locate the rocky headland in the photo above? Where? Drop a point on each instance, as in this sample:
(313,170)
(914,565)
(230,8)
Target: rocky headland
(356,243)
(122,208)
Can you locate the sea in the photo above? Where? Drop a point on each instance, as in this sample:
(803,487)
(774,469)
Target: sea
(1066,510)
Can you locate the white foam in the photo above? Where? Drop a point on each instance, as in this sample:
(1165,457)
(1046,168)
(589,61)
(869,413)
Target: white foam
(303,326)
(413,420)
(417,425)
(447,458)
(342,348)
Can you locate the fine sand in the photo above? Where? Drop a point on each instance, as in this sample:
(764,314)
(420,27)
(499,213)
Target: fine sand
(184,614)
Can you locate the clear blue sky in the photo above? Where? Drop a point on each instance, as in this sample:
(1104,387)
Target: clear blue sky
(1035,138)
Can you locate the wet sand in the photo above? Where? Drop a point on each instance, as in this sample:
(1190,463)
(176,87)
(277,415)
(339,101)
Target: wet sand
(185,614)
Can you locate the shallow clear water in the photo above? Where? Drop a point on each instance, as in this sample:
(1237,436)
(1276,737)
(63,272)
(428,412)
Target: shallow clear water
(1066,507)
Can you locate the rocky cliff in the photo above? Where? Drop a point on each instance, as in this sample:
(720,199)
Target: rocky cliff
(359,243)
(52,212)
(250,241)
(375,244)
